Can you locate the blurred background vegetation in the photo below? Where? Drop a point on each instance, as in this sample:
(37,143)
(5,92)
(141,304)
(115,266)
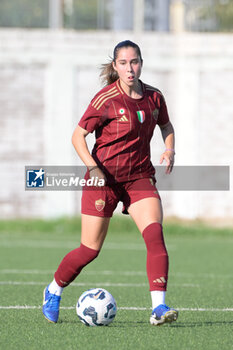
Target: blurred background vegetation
(24,13)
(201,16)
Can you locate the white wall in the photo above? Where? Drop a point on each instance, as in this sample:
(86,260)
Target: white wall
(47,79)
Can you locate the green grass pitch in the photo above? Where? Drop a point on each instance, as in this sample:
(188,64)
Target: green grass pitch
(200,287)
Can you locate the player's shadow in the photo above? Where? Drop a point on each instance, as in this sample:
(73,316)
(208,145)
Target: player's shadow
(174,324)
(133,324)
(115,324)
(128,324)
(200,324)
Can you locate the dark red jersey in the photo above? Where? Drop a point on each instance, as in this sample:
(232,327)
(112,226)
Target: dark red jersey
(124,127)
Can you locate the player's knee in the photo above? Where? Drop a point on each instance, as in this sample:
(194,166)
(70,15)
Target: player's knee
(153,237)
(87,254)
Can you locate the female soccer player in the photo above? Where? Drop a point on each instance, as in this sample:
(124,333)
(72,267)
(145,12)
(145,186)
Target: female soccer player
(123,115)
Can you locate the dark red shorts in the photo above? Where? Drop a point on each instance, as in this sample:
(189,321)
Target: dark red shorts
(102,201)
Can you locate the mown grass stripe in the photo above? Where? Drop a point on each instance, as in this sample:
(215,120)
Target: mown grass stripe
(72,244)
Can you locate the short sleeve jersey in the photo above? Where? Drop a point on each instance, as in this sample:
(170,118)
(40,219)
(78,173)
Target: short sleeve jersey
(123,128)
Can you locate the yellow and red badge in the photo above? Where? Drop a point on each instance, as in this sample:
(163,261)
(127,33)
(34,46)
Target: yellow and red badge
(99,204)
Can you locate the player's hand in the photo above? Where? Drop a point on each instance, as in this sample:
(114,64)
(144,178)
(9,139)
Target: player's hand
(97,173)
(169,157)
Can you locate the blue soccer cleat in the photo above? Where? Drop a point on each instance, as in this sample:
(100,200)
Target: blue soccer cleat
(163,314)
(51,306)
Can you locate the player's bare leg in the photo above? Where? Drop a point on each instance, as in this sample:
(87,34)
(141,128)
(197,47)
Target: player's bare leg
(146,211)
(148,216)
(94,230)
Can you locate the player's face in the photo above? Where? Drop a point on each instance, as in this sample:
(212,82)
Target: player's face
(128,66)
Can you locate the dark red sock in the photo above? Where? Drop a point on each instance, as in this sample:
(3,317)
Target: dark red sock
(157,257)
(73,263)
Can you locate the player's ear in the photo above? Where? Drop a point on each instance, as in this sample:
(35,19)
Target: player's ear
(114,65)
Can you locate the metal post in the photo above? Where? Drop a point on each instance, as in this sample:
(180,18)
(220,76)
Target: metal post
(177,14)
(138,18)
(162,24)
(100,14)
(55,14)
(122,15)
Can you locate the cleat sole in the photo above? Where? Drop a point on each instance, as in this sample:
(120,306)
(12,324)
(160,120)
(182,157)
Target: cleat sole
(47,319)
(169,317)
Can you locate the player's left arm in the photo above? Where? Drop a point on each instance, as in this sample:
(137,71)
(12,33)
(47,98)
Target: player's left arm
(168,155)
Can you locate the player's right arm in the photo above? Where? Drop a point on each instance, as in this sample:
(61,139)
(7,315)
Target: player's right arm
(80,145)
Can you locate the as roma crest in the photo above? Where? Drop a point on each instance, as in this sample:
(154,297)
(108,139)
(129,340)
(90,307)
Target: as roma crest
(99,204)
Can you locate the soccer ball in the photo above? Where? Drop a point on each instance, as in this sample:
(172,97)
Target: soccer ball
(96,307)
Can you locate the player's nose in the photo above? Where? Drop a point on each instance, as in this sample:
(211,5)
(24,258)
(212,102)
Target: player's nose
(129,68)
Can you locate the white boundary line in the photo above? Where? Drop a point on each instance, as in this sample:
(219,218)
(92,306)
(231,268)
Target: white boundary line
(115,273)
(80,284)
(102,284)
(30,307)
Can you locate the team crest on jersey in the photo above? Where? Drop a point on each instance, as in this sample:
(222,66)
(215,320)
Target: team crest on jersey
(141,116)
(99,204)
(122,111)
(155,113)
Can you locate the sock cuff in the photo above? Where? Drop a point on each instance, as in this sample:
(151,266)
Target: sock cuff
(89,251)
(151,228)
